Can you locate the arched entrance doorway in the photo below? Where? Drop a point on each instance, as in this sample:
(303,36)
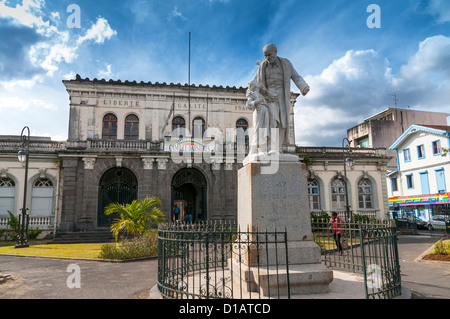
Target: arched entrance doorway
(117,185)
(189,186)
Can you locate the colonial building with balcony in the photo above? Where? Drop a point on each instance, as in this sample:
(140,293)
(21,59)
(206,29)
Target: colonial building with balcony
(183,144)
(420,185)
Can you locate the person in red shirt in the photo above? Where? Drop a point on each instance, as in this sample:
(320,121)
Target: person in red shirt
(336,226)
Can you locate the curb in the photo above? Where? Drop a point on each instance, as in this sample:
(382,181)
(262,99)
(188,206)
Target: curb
(421,256)
(154,293)
(406,294)
(83,259)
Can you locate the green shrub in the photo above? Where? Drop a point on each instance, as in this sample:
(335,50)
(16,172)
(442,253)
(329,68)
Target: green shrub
(320,220)
(145,245)
(13,222)
(135,218)
(10,233)
(33,233)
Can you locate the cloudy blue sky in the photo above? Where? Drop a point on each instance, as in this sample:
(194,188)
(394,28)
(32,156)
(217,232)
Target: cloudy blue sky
(352,69)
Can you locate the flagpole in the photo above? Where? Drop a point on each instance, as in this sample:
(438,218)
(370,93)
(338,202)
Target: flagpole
(189,85)
(207,110)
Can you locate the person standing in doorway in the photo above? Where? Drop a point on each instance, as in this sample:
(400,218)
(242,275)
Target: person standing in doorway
(176,213)
(188,213)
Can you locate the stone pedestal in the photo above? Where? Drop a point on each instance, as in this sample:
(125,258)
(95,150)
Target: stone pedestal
(278,200)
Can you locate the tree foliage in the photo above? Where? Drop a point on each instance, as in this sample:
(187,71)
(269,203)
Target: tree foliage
(136,217)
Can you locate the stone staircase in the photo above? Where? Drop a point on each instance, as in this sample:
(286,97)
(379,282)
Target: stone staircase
(98,236)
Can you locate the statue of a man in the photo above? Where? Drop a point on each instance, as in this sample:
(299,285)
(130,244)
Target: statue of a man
(275,74)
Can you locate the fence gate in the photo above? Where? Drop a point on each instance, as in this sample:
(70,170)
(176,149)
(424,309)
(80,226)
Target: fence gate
(368,248)
(209,261)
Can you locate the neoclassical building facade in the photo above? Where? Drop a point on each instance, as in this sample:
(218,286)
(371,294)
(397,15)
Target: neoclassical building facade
(129,140)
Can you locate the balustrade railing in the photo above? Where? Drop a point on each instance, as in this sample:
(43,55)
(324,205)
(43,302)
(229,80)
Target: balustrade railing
(364,214)
(41,222)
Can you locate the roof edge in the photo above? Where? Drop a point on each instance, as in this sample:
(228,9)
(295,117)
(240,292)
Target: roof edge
(414,128)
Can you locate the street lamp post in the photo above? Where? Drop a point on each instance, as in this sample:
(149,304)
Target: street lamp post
(348,161)
(24,217)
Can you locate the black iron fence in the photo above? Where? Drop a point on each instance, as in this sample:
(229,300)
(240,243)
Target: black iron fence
(208,261)
(367,248)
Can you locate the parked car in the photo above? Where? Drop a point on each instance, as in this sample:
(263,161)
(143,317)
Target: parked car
(437,222)
(421,224)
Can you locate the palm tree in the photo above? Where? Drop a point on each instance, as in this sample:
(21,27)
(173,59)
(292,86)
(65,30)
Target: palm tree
(134,218)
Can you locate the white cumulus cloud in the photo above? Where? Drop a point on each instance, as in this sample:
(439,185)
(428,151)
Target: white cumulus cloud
(105,74)
(99,32)
(360,84)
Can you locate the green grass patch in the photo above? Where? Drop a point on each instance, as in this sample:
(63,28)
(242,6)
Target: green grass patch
(40,248)
(145,245)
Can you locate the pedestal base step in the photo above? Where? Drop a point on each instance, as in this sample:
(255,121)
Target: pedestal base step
(273,280)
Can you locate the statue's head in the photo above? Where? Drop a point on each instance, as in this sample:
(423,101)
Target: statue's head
(270,52)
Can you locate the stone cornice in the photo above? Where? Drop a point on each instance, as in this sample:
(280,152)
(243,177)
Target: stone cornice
(164,85)
(79,80)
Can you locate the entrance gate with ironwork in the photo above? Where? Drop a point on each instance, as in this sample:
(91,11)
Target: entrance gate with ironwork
(117,185)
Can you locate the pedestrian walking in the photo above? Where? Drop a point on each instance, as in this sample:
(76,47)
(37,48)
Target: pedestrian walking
(336,226)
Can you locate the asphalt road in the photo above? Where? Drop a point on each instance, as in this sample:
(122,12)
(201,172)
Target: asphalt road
(425,279)
(44,278)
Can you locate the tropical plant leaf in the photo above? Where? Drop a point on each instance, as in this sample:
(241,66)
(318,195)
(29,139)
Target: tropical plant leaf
(135,218)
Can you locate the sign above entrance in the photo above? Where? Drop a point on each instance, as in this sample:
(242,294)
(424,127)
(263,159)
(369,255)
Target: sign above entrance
(174,144)
(118,103)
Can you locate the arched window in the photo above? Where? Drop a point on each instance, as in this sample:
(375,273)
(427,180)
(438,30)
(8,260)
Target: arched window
(365,194)
(314,194)
(42,198)
(132,127)
(109,131)
(337,194)
(7,187)
(242,132)
(178,126)
(198,125)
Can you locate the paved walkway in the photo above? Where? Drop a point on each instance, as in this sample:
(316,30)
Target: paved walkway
(45,278)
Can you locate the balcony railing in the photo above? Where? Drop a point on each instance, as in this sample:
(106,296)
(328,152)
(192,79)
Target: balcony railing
(370,213)
(338,151)
(136,145)
(41,222)
(157,146)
